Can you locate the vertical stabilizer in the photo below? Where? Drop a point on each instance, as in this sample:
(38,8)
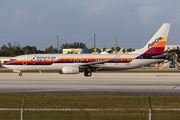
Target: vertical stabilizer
(157,43)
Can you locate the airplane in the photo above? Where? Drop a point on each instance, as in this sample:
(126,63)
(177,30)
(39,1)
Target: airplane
(152,52)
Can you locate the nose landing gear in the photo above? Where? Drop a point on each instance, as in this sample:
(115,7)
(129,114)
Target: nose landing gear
(20,74)
(17,71)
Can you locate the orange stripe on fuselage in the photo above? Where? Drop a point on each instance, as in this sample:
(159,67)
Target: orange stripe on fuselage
(96,58)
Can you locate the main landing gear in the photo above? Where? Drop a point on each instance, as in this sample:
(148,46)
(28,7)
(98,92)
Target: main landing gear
(87,73)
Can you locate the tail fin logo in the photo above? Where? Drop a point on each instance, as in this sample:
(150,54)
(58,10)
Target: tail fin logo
(154,42)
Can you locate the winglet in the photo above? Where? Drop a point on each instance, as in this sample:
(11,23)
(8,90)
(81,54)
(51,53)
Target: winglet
(118,54)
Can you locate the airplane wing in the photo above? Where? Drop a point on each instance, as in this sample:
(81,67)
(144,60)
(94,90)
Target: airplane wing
(164,55)
(104,61)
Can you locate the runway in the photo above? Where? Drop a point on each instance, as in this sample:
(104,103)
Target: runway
(99,83)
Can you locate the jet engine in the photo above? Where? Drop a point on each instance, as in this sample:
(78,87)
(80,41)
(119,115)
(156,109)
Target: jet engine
(69,69)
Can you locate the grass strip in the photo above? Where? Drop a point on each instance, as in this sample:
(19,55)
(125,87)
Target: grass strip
(89,101)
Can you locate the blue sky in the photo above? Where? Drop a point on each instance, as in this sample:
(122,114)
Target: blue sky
(38,22)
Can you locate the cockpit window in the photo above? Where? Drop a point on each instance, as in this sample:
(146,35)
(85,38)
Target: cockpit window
(12,59)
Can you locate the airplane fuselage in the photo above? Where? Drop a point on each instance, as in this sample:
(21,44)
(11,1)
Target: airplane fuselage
(44,62)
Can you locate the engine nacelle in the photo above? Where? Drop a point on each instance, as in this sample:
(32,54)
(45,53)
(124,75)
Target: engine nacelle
(69,69)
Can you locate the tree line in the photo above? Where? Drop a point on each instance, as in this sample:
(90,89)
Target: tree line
(15,49)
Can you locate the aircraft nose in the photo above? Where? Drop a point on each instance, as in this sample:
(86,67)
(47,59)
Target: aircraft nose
(6,63)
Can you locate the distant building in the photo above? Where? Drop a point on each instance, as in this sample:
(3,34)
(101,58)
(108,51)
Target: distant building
(84,51)
(136,49)
(106,50)
(171,47)
(75,50)
(125,50)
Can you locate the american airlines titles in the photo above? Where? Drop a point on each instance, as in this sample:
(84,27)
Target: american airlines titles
(45,57)
(154,42)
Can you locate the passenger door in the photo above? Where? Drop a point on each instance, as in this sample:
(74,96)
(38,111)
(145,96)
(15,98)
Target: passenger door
(24,62)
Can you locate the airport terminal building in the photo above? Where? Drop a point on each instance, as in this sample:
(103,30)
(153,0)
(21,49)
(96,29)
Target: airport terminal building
(172,47)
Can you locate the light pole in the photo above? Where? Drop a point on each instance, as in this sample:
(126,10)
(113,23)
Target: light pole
(94,42)
(57,43)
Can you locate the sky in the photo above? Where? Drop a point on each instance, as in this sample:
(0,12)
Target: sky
(38,22)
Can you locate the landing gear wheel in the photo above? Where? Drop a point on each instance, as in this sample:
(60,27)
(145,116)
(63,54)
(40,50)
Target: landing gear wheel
(20,74)
(87,74)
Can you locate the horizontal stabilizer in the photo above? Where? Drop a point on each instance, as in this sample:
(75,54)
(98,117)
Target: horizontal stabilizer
(164,55)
